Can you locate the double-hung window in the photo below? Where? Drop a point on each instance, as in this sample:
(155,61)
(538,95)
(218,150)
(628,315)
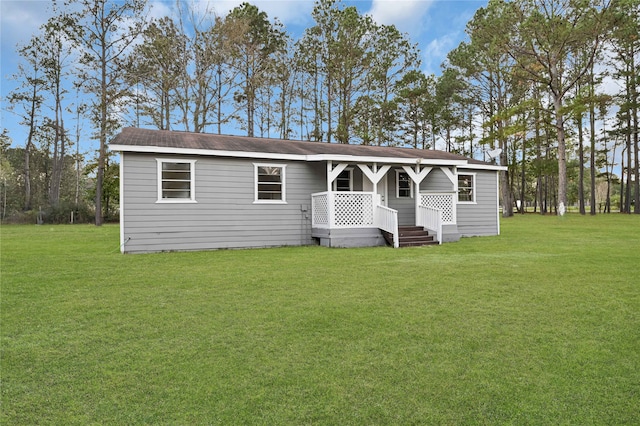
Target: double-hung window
(344,181)
(270,183)
(176,181)
(404,185)
(466,188)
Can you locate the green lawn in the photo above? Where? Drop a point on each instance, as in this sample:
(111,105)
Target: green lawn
(540,325)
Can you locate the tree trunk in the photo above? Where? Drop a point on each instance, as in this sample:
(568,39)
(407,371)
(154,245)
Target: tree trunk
(581,170)
(562,156)
(634,109)
(627,203)
(523,180)
(27,151)
(622,202)
(102,153)
(592,154)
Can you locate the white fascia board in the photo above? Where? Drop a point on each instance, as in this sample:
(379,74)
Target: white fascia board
(206,152)
(295,157)
(484,167)
(394,160)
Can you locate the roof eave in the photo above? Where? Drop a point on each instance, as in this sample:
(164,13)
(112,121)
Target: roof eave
(301,157)
(207,152)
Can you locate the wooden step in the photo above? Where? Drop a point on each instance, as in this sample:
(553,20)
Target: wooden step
(410,236)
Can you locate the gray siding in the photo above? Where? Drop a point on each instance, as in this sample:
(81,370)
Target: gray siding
(225,215)
(406,207)
(480,218)
(436,181)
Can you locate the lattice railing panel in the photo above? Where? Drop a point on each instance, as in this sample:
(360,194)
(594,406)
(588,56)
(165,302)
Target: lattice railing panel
(353,209)
(320,209)
(444,202)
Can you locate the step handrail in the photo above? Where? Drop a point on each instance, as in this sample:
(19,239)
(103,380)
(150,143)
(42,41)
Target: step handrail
(387,220)
(430,218)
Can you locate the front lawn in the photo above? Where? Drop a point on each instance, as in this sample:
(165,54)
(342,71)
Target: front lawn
(540,325)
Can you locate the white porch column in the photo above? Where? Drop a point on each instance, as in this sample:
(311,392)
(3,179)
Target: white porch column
(375,185)
(417,176)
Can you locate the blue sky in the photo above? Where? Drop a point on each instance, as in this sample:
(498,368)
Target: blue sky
(437,26)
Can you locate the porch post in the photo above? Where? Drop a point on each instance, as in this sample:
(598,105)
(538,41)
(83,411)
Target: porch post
(375,185)
(417,176)
(329,168)
(417,193)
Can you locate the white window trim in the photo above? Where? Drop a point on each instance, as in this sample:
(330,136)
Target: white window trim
(411,184)
(192,174)
(473,188)
(335,181)
(255,183)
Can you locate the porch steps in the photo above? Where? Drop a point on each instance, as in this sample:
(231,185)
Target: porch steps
(410,236)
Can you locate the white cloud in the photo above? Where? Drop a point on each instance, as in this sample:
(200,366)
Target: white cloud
(19,20)
(289,12)
(436,52)
(408,16)
(159,9)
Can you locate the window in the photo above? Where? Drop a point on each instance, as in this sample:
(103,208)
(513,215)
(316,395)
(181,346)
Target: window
(466,188)
(404,185)
(176,181)
(270,183)
(344,181)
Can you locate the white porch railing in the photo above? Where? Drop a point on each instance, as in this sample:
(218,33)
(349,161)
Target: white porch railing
(387,220)
(430,218)
(443,201)
(343,209)
(352,210)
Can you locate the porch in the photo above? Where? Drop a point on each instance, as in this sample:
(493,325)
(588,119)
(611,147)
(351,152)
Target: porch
(357,219)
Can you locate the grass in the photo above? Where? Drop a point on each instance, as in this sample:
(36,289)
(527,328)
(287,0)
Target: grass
(540,325)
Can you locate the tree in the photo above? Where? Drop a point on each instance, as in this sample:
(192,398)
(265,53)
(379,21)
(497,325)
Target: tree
(59,53)
(449,89)
(391,58)
(285,77)
(351,46)
(626,46)
(29,96)
(6,172)
(104,31)
(485,62)
(412,91)
(542,41)
(155,66)
(252,48)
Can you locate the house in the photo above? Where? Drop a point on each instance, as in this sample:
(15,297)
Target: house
(194,191)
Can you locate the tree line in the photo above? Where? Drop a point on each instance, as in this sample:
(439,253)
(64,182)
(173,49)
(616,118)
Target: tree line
(529,81)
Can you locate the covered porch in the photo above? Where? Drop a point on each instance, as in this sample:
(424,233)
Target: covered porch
(350,218)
